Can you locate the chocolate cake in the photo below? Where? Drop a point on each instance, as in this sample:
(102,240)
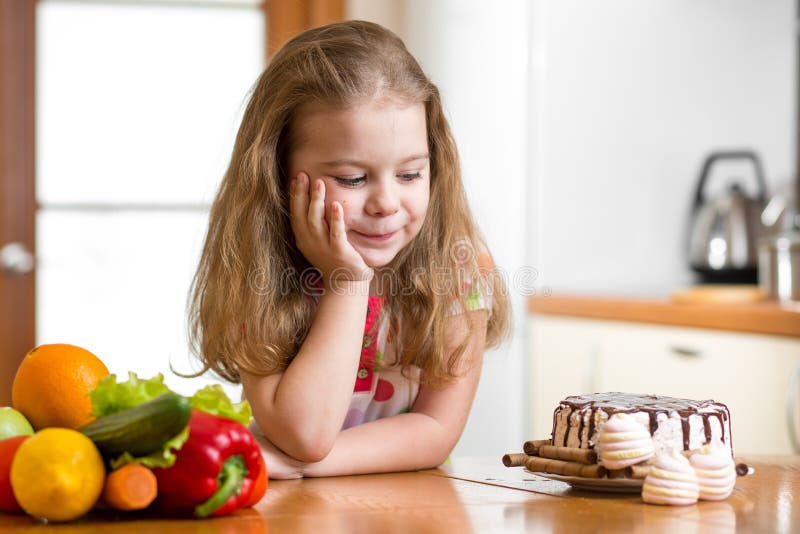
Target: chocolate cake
(679,424)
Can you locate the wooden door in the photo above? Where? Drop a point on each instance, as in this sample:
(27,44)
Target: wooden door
(17,198)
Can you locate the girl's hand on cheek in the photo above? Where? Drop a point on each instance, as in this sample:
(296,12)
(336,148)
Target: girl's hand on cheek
(324,245)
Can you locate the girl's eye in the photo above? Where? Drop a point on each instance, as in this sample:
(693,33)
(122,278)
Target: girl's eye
(408,176)
(349,182)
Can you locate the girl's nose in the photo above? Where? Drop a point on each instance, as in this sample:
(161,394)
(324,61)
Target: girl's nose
(383,198)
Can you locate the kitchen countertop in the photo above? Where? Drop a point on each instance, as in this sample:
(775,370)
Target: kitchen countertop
(764,317)
(475,495)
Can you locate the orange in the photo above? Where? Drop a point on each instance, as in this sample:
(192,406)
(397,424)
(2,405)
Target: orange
(52,384)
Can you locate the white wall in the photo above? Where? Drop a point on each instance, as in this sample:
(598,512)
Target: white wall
(388,13)
(628,98)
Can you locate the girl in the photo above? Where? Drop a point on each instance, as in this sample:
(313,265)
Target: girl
(343,200)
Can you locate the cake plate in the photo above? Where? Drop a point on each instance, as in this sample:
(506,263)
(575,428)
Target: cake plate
(609,485)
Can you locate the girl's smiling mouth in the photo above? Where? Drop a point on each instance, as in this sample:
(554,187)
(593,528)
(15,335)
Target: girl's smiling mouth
(376,237)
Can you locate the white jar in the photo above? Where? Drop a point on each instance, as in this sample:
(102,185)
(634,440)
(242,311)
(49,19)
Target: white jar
(779,266)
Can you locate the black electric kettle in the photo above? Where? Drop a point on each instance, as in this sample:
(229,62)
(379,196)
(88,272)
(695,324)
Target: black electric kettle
(723,230)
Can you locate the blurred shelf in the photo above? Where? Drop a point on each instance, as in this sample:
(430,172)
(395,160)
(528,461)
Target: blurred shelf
(764,317)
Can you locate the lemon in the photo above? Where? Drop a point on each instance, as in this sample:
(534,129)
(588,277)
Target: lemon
(57,474)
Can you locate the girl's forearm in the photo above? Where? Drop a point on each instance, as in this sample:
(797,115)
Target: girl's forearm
(405,442)
(312,398)
(420,439)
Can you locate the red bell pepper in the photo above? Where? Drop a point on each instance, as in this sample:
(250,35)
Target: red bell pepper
(259,487)
(8,448)
(215,471)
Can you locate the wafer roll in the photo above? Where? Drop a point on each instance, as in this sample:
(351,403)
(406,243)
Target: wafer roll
(569,454)
(618,473)
(531,448)
(638,471)
(560,467)
(515,459)
(742,469)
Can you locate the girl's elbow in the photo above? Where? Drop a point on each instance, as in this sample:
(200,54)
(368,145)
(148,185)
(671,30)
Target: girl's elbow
(311,447)
(441,458)
(312,451)
(300,444)
(428,463)
(432,460)
(444,448)
(438,454)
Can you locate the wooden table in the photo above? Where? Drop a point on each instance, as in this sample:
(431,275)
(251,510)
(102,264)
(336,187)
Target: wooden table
(475,495)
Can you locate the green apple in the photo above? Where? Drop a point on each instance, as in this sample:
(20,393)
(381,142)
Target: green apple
(13,423)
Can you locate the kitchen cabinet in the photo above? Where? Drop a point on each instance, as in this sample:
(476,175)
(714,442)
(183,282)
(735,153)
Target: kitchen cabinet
(756,375)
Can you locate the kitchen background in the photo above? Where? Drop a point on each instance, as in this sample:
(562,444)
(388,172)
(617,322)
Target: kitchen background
(582,125)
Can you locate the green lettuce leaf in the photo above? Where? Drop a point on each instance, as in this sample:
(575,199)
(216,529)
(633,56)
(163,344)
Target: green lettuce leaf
(212,399)
(161,458)
(110,396)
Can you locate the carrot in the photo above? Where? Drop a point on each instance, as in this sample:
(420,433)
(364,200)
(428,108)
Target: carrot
(131,487)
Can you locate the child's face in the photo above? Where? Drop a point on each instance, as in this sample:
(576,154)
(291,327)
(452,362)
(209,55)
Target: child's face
(374,160)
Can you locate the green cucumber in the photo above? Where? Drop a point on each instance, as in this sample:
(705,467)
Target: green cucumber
(142,429)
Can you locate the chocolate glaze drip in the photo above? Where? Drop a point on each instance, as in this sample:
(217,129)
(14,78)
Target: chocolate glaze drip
(685,431)
(615,402)
(591,422)
(723,416)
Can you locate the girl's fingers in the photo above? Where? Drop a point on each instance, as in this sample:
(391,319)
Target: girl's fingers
(337,225)
(316,208)
(342,246)
(298,203)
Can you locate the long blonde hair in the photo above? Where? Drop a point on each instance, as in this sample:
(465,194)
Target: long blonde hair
(252,298)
